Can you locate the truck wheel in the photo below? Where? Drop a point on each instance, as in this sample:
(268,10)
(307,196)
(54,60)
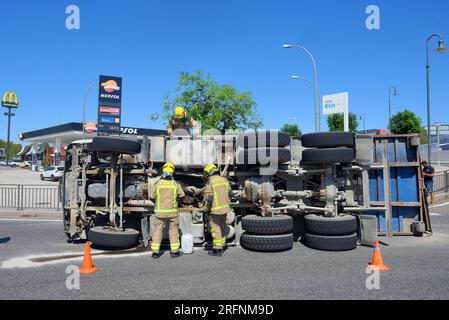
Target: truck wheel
(263,138)
(336,226)
(332,243)
(320,156)
(263,156)
(328,140)
(267,225)
(280,242)
(115,145)
(108,237)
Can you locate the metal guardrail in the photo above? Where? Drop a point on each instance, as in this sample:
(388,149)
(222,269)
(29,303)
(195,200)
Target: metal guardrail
(21,197)
(441,182)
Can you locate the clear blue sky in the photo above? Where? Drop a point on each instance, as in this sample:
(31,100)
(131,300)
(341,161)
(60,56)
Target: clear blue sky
(238,42)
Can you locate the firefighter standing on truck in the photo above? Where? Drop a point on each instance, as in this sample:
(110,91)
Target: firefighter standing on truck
(180,121)
(217,202)
(166,194)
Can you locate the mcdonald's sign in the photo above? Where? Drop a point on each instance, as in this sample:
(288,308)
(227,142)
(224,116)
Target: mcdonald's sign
(10,100)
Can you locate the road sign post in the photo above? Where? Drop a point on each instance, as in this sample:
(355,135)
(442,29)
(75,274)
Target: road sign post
(9,101)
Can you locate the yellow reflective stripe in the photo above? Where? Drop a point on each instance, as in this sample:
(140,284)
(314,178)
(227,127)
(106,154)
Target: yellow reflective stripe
(155,246)
(175,246)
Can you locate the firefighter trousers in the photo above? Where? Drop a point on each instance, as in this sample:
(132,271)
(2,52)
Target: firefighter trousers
(172,232)
(218,227)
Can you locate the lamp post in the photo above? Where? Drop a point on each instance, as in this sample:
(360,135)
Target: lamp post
(84,107)
(395,93)
(317,112)
(441,49)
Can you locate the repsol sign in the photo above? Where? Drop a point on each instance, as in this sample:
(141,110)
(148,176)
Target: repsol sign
(125,130)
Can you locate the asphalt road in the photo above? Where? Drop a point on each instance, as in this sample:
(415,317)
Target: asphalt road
(419,269)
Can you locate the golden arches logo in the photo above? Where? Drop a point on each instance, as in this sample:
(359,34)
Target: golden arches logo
(10,99)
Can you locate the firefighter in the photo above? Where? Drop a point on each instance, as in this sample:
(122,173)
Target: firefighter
(166,194)
(217,199)
(180,121)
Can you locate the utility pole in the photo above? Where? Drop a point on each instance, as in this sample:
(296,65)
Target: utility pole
(9,101)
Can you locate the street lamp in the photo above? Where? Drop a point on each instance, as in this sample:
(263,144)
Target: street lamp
(84,107)
(441,49)
(395,93)
(317,118)
(295,77)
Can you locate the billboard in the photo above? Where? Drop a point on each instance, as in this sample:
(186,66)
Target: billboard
(109,106)
(337,103)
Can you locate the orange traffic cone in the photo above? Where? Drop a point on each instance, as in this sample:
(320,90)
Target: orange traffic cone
(87,267)
(377,263)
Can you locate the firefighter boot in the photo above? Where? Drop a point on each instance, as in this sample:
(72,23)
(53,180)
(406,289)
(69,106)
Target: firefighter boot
(156,255)
(175,254)
(216,252)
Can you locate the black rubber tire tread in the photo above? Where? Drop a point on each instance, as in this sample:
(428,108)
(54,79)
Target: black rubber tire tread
(115,145)
(328,140)
(334,155)
(262,139)
(332,243)
(336,226)
(113,239)
(251,156)
(267,243)
(278,224)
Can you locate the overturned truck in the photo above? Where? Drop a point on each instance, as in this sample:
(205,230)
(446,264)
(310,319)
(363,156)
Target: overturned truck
(283,190)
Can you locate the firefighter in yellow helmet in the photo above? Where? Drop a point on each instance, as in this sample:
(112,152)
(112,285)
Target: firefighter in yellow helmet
(217,199)
(166,193)
(181,122)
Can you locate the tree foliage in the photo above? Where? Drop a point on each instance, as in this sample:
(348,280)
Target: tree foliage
(292,130)
(335,122)
(216,106)
(406,122)
(14,148)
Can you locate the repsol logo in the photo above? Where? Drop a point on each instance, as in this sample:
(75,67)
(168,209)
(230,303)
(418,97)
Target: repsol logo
(110,96)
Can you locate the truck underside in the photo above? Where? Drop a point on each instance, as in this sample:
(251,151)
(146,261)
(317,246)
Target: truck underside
(283,189)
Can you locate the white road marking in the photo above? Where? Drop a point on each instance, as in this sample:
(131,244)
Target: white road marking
(439,205)
(30,220)
(27,261)
(434,214)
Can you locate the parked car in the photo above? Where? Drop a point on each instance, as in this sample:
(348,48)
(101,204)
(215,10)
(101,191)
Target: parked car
(53,173)
(14,164)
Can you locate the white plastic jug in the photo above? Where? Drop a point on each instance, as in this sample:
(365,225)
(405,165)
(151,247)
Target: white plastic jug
(187,243)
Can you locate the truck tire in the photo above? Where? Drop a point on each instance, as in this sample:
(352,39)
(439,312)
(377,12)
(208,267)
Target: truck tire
(328,140)
(267,243)
(115,145)
(331,243)
(321,156)
(262,139)
(267,225)
(263,156)
(111,238)
(337,226)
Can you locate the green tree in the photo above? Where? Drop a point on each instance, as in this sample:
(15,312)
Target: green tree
(406,122)
(335,122)
(14,148)
(292,130)
(216,106)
